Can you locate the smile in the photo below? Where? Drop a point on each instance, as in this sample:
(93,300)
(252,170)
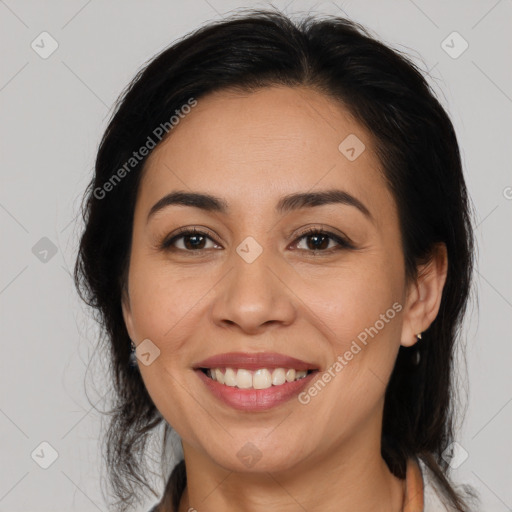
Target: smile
(255,382)
(262,378)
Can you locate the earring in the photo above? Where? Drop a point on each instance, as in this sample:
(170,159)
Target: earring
(416,358)
(132,362)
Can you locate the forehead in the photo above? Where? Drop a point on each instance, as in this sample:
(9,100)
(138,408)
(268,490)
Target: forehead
(265,144)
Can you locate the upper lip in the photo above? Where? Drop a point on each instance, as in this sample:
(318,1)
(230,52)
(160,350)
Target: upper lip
(254,361)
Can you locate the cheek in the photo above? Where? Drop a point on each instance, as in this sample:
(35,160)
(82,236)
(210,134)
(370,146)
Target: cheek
(164,310)
(352,299)
(162,299)
(361,319)
(359,313)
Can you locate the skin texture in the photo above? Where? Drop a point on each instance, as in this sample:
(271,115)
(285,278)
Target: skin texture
(251,149)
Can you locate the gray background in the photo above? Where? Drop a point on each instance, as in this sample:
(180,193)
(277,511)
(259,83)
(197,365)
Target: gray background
(53,112)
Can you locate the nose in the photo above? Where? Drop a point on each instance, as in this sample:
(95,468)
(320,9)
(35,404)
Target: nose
(254,296)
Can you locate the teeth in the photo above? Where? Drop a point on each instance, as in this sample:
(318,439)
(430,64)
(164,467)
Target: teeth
(278,377)
(260,379)
(243,379)
(290,375)
(230,377)
(219,376)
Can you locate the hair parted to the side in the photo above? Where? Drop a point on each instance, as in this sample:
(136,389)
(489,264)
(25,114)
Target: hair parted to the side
(418,149)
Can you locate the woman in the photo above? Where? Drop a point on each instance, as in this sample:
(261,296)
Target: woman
(278,240)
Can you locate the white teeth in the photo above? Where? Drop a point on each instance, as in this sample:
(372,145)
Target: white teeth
(278,377)
(219,376)
(230,377)
(243,379)
(262,378)
(290,375)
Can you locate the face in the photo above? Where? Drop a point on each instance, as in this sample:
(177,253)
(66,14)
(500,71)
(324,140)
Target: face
(276,285)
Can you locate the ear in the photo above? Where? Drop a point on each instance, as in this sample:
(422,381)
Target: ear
(424,295)
(127,314)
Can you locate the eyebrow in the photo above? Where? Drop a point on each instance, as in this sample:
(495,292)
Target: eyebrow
(286,204)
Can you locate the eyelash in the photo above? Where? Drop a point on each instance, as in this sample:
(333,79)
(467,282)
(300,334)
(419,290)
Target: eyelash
(167,244)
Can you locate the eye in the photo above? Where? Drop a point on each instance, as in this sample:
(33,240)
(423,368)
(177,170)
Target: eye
(317,240)
(190,240)
(314,240)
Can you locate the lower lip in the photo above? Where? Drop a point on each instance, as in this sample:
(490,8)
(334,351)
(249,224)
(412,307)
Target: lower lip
(255,399)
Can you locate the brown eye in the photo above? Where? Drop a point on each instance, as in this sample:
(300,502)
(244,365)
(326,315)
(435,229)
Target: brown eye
(192,242)
(189,240)
(318,240)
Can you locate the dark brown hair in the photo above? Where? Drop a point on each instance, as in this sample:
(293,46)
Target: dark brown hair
(418,148)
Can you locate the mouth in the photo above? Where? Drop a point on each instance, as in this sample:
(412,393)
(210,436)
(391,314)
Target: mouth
(262,378)
(255,382)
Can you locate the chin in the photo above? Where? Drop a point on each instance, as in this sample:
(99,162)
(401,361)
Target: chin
(258,456)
